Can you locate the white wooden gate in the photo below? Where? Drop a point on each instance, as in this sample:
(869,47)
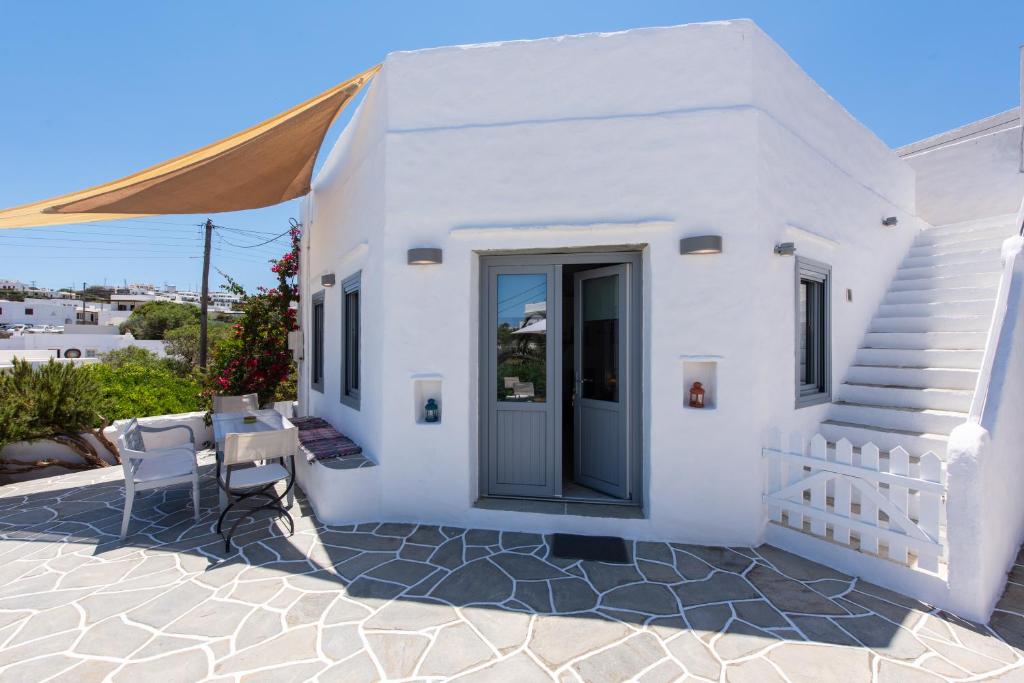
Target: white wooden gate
(884,504)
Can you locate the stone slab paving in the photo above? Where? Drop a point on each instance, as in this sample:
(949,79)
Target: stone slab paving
(390,601)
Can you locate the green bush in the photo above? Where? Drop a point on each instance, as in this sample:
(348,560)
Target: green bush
(56,402)
(136,355)
(140,390)
(154,319)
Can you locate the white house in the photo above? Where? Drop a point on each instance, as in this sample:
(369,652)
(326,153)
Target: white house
(38,312)
(78,341)
(556,239)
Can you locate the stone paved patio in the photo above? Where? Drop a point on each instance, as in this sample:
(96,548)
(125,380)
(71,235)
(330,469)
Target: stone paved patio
(400,601)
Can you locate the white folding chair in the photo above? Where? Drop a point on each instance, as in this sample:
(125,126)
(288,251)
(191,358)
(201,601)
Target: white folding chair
(236,404)
(274,448)
(146,469)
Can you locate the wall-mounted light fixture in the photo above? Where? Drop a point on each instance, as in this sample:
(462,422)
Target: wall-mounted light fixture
(424,256)
(327,280)
(701,244)
(785,248)
(890,221)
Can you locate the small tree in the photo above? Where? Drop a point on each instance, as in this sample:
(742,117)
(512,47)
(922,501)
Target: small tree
(255,358)
(56,402)
(183,342)
(154,319)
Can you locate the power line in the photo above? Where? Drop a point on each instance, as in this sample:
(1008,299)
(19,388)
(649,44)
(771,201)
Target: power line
(65,239)
(250,246)
(117,233)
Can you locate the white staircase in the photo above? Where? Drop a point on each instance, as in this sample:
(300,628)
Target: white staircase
(913,377)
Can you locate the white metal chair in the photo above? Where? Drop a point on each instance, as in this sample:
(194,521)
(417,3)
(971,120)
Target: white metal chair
(236,404)
(241,482)
(146,469)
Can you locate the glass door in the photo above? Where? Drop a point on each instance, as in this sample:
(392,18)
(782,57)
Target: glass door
(520,361)
(600,406)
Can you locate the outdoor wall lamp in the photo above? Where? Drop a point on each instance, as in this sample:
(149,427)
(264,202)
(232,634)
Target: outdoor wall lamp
(327,280)
(424,256)
(701,244)
(890,221)
(785,248)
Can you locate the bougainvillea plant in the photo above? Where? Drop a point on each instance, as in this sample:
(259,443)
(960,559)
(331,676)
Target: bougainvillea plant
(255,358)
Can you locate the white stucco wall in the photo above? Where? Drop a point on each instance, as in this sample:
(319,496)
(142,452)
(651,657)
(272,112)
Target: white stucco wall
(639,139)
(44,312)
(971,172)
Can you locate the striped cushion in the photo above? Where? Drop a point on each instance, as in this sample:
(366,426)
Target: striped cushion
(321,441)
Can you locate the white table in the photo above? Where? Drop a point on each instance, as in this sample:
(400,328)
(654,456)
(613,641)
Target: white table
(234,423)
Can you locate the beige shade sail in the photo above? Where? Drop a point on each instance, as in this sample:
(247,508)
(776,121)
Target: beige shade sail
(267,164)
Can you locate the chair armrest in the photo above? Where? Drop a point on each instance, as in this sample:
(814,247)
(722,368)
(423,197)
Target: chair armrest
(191,435)
(157,452)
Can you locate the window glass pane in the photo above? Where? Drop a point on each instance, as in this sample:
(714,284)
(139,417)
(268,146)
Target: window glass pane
(522,337)
(600,338)
(352,341)
(812,311)
(318,343)
(805,334)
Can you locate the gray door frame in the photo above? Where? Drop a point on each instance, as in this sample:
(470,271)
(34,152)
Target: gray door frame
(634,367)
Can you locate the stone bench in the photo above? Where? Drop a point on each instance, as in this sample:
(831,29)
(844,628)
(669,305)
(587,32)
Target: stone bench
(340,482)
(323,444)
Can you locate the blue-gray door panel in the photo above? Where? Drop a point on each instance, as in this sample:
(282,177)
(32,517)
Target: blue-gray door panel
(521,448)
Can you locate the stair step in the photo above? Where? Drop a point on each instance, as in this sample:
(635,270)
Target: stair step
(916,420)
(925,340)
(964,232)
(935,296)
(914,443)
(938,323)
(956,246)
(942,259)
(906,397)
(939,308)
(919,358)
(921,378)
(947,269)
(942,281)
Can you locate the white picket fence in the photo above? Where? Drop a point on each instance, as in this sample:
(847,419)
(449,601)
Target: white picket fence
(887,505)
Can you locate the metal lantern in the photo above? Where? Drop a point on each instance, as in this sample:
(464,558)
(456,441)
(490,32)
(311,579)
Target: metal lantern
(430,411)
(697,395)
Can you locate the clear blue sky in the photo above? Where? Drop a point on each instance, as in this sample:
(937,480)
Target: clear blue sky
(93,91)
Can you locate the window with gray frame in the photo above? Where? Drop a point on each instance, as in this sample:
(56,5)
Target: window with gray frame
(813,332)
(316,366)
(351,342)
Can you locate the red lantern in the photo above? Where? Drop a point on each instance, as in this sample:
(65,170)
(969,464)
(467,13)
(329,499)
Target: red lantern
(697,395)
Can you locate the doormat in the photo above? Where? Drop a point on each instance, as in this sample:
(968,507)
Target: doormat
(595,548)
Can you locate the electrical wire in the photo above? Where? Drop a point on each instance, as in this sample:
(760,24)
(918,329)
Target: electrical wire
(250,246)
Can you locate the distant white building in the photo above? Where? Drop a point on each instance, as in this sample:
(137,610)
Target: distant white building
(33,311)
(84,342)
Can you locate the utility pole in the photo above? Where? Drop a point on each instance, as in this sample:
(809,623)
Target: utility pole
(204,295)
(83,304)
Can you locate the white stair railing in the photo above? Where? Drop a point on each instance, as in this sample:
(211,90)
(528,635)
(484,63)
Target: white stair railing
(882,505)
(1011,250)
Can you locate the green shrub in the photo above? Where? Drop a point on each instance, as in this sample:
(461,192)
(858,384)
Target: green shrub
(136,355)
(56,402)
(154,319)
(140,390)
